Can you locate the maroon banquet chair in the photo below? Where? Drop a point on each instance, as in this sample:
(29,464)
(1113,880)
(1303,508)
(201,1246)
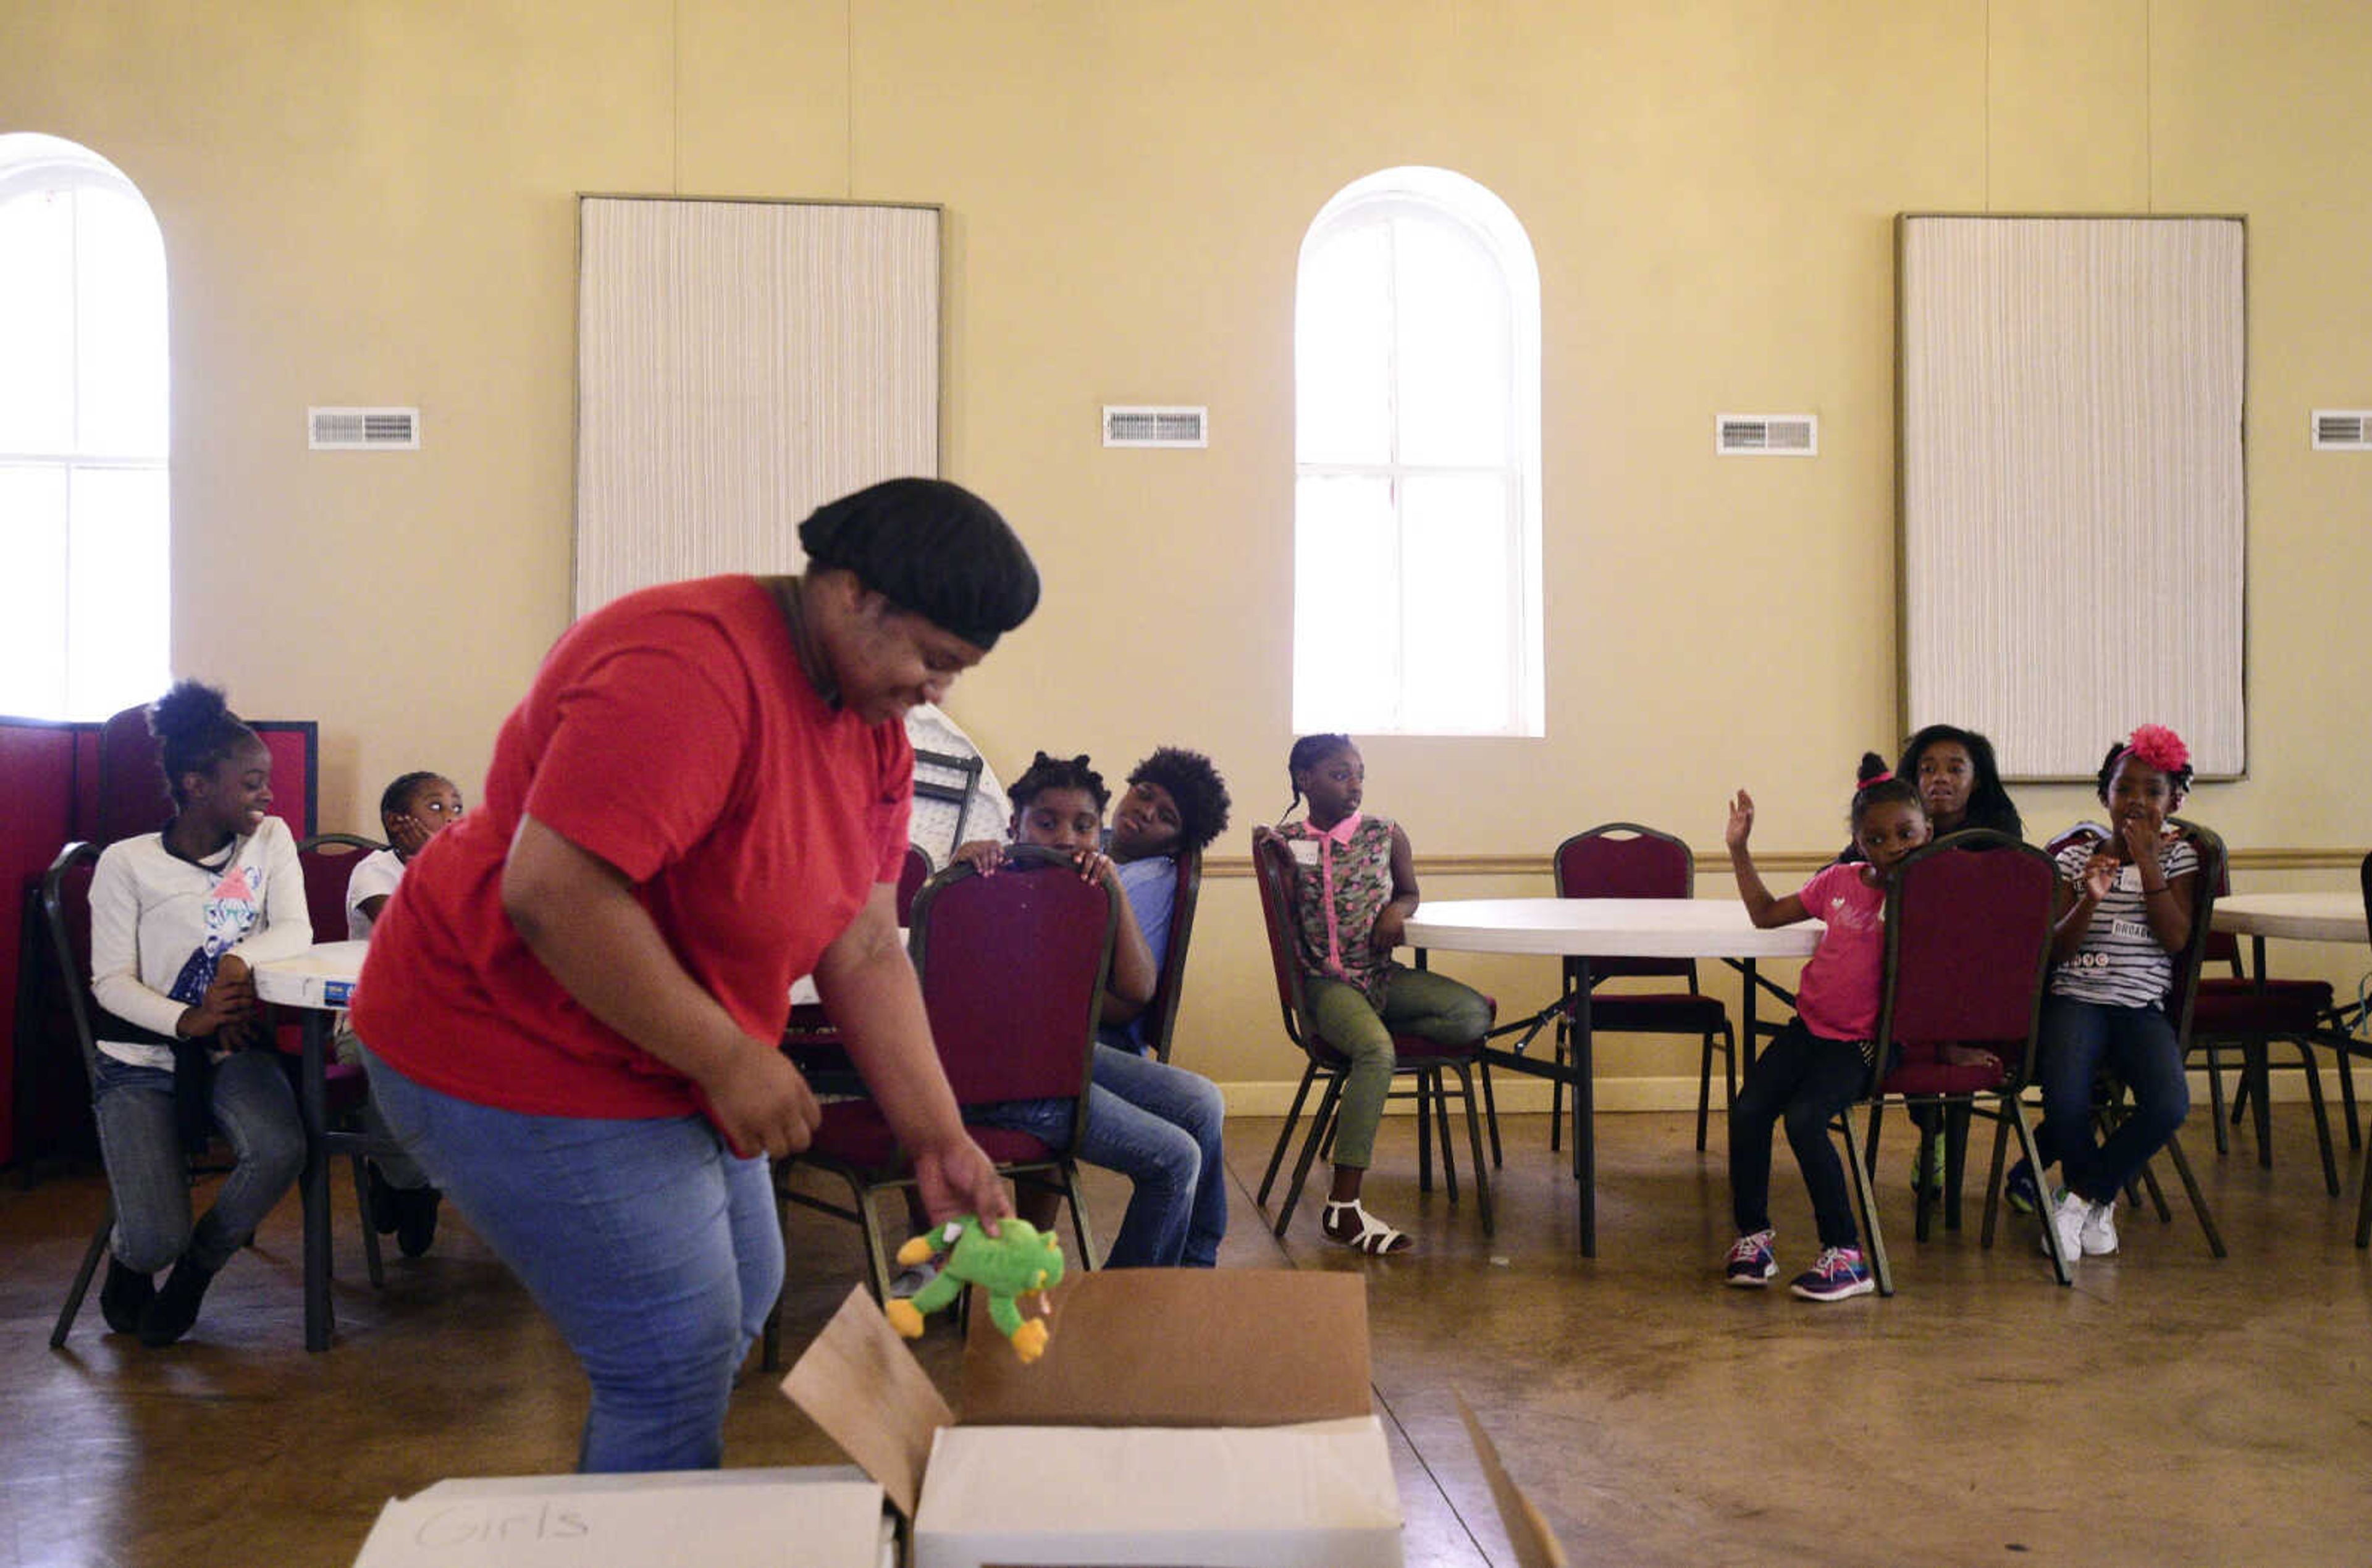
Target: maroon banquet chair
(1624,860)
(1968,946)
(1415,1056)
(1160,1014)
(1012,969)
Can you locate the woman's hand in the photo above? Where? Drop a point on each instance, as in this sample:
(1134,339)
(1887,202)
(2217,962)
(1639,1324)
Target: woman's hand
(760,1102)
(1742,820)
(406,833)
(983,856)
(954,1178)
(230,1001)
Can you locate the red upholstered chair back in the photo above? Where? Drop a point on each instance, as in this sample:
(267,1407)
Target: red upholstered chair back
(1272,868)
(329,861)
(131,795)
(1161,1013)
(1968,945)
(911,878)
(1012,967)
(1624,860)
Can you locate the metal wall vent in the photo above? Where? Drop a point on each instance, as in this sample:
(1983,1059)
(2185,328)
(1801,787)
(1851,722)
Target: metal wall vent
(1766,434)
(2342,430)
(1147,426)
(364,429)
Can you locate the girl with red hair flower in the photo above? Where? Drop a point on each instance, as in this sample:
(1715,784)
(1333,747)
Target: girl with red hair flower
(2124,910)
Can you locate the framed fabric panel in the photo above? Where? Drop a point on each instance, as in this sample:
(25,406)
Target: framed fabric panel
(738,363)
(2072,487)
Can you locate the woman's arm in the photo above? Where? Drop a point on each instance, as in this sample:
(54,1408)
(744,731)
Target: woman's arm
(1763,909)
(868,986)
(1391,920)
(579,915)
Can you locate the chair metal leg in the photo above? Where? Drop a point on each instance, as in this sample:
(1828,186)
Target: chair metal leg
(1556,1092)
(1704,1088)
(97,1249)
(2215,1098)
(1284,1134)
(371,1261)
(1474,1142)
(2034,1158)
(2198,1200)
(1324,1123)
(1868,1201)
(2364,1209)
(1424,1132)
(1491,1110)
(1994,1181)
(1441,1126)
(2260,1097)
(1876,1107)
(2321,1115)
(1078,1215)
(1956,1156)
(2347,1095)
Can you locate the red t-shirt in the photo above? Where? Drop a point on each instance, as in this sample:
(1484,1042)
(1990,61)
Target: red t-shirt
(673,735)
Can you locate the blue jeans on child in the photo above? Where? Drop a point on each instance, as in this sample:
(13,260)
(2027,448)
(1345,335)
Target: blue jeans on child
(148,1171)
(656,1250)
(2138,1045)
(1807,1079)
(1157,1125)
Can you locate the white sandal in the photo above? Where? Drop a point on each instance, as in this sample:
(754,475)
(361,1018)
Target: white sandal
(1374,1237)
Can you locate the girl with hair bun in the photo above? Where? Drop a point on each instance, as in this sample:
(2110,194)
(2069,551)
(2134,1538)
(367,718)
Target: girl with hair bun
(176,920)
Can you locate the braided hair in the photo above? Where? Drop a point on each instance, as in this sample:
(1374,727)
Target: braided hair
(1875,785)
(1307,753)
(1046,772)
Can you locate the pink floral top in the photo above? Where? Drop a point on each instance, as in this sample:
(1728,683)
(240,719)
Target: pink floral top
(1343,880)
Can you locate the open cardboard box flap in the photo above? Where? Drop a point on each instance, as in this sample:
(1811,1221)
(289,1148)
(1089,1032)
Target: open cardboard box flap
(1127,1347)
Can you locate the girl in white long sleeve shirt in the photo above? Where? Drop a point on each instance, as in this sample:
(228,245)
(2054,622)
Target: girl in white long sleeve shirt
(178,919)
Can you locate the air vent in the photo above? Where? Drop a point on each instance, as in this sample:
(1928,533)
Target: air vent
(2342,430)
(364,429)
(1766,434)
(1142,426)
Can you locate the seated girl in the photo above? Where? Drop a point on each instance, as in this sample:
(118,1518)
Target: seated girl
(1157,1124)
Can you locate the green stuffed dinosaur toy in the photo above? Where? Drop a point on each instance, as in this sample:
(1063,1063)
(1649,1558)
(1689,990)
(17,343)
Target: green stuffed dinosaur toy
(1018,1259)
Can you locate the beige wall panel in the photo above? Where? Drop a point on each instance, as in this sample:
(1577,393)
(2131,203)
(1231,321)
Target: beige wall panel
(373,202)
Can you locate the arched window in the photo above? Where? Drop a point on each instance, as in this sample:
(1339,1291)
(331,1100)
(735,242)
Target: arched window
(85,597)
(1417,500)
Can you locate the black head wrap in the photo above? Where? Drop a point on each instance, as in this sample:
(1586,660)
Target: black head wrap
(931,547)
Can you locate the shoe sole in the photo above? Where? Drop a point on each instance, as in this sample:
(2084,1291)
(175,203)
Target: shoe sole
(1752,1282)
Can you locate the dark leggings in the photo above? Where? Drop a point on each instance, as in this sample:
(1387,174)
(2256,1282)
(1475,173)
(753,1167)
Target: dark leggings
(1809,1080)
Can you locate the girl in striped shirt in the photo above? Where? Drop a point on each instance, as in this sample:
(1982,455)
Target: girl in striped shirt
(2123,912)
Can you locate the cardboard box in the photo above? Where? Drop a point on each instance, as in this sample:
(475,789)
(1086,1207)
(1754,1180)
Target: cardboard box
(1186,1418)
(817,1517)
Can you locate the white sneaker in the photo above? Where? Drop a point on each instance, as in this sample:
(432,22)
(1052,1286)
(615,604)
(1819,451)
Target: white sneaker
(2100,1233)
(2066,1216)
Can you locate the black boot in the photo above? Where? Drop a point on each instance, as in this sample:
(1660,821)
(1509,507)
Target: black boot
(386,1201)
(125,1297)
(176,1307)
(415,1224)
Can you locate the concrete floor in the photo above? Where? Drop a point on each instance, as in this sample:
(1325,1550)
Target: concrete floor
(2168,1409)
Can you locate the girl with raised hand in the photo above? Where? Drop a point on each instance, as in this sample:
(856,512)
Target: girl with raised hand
(1821,1061)
(1354,888)
(178,918)
(2123,912)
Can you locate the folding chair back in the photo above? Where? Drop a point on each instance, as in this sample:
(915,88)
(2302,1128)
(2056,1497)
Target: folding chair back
(328,861)
(911,878)
(1968,946)
(1624,860)
(1160,1016)
(1272,869)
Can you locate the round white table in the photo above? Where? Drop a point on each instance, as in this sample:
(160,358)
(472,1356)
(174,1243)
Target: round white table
(1580,930)
(320,980)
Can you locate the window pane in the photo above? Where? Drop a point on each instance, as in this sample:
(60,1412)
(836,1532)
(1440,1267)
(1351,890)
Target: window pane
(32,591)
(1345,605)
(1341,369)
(117,602)
(1459,570)
(37,323)
(120,325)
(1453,347)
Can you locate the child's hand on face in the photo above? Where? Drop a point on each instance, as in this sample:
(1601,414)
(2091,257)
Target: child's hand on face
(1742,820)
(407,833)
(983,856)
(1389,929)
(2140,841)
(2099,875)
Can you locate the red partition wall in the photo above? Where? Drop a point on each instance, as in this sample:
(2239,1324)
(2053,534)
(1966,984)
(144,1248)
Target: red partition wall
(66,781)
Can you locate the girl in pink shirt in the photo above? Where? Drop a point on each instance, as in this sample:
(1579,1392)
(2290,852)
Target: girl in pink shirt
(1820,1063)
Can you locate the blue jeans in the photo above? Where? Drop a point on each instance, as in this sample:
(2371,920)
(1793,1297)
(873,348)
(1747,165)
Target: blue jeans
(1808,1080)
(1157,1125)
(657,1252)
(148,1171)
(2138,1045)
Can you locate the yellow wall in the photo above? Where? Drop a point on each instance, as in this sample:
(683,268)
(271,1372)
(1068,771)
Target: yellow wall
(373,203)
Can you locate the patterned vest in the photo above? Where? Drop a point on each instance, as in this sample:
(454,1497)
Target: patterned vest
(1339,889)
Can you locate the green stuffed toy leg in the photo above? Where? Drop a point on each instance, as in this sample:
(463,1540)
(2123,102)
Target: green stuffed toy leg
(1017,1260)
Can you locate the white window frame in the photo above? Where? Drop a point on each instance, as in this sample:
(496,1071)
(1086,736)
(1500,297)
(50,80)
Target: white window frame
(31,162)
(1443,196)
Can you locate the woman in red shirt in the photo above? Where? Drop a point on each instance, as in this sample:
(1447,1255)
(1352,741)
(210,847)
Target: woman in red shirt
(573,1004)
